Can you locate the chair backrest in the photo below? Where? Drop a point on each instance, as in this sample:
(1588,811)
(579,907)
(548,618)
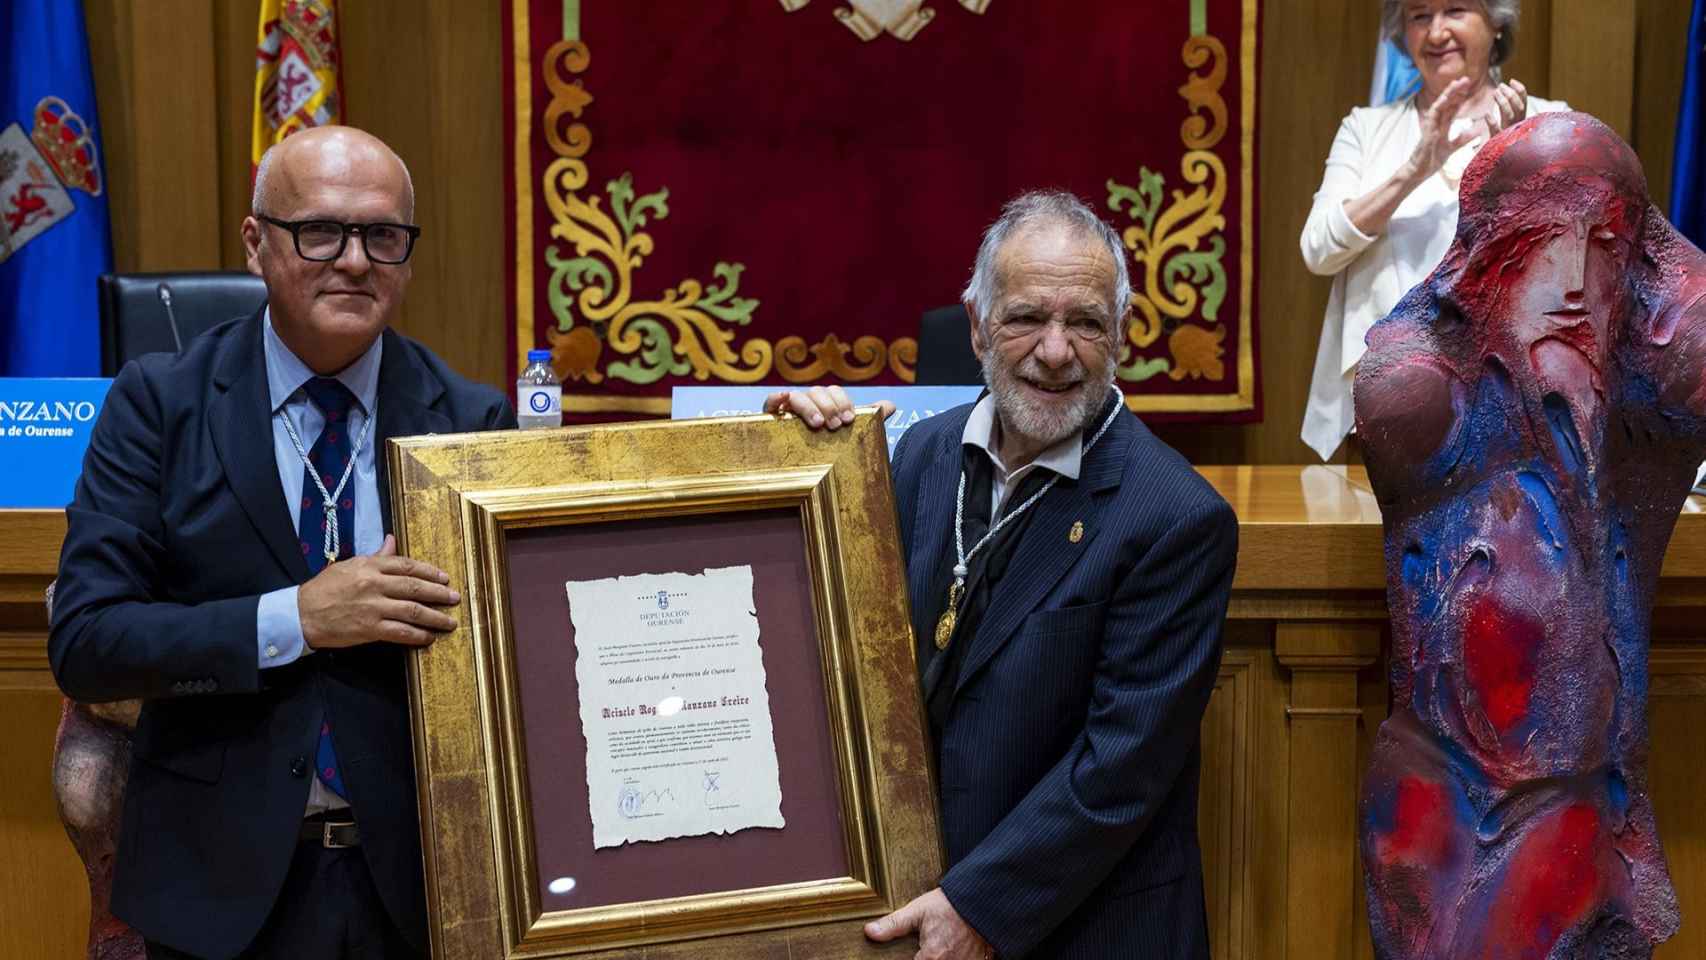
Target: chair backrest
(945,357)
(135,321)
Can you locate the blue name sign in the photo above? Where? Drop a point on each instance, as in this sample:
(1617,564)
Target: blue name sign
(912,404)
(45,424)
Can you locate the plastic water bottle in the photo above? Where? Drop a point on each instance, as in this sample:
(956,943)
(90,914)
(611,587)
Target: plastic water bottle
(538,393)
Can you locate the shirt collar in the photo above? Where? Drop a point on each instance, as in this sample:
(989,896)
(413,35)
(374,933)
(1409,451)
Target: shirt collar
(1065,457)
(286,373)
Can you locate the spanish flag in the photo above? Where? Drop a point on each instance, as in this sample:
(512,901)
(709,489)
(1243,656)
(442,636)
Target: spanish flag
(297,70)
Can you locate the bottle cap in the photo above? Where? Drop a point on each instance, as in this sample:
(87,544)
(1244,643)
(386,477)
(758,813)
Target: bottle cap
(538,356)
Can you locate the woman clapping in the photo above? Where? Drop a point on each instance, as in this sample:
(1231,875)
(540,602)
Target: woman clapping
(1387,207)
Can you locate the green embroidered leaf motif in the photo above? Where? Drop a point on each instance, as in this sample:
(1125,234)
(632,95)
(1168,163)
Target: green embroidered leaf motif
(1150,184)
(656,359)
(1121,196)
(580,269)
(632,218)
(720,301)
(1141,370)
(568,277)
(657,202)
(1143,202)
(1206,273)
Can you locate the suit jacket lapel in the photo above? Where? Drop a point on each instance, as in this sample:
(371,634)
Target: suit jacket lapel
(1045,550)
(932,553)
(240,421)
(408,398)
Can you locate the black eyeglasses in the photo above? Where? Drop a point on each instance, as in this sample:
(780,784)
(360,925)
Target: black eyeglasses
(322,240)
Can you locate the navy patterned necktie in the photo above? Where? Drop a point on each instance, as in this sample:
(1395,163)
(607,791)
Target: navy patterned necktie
(329,457)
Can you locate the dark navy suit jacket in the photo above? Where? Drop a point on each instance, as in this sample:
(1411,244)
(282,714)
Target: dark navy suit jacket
(177,527)
(1068,763)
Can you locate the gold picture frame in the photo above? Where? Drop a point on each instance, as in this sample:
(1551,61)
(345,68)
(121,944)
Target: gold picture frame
(463,502)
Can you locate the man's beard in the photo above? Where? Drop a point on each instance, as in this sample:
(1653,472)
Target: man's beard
(1034,422)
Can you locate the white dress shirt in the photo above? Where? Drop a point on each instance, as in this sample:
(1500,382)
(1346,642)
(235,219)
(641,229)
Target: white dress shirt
(1065,457)
(1371,274)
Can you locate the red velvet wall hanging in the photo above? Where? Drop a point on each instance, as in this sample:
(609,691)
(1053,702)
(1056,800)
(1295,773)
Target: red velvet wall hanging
(773,191)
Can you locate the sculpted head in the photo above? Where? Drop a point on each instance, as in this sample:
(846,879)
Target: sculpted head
(1549,234)
(330,311)
(1048,298)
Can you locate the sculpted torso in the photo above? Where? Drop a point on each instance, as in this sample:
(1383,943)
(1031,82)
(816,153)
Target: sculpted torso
(1531,417)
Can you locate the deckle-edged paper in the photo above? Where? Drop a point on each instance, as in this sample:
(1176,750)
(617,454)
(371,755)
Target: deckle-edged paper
(673,701)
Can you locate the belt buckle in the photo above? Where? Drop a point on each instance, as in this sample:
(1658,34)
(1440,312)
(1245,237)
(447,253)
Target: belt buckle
(327,838)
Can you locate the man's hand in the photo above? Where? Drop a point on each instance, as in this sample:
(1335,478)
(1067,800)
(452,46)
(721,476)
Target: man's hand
(822,408)
(379,598)
(942,935)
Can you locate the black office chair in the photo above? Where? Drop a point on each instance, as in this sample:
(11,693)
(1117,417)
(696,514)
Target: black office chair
(945,358)
(162,312)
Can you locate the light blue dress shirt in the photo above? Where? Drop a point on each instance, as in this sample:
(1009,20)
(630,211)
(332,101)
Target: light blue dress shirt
(278,625)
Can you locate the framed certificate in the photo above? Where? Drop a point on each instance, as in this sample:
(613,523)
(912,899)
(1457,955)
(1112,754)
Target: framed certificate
(680,714)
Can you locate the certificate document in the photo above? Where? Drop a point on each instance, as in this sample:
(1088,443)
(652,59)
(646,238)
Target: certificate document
(674,705)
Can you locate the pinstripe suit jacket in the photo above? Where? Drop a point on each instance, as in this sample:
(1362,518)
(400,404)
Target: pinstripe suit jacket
(1068,764)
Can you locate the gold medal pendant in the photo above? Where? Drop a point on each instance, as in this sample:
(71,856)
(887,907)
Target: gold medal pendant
(945,623)
(945,629)
(331,557)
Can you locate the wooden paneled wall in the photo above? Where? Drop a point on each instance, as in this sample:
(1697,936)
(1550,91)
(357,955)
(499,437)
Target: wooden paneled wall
(1286,737)
(1622,59)
(176,82)
(176,85)
(44,892)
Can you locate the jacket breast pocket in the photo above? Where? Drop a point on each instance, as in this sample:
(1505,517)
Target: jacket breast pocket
(1082,620)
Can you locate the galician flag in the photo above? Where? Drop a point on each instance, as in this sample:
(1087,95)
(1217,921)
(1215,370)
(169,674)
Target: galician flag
(298,75)
(54,240)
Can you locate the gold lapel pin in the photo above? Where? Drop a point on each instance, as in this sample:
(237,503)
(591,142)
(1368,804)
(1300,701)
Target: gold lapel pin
(1077,533)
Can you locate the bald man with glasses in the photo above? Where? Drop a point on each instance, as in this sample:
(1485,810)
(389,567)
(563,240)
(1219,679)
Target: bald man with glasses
(228,560)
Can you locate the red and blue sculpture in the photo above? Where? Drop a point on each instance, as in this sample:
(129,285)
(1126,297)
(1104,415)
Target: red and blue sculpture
(1532,416)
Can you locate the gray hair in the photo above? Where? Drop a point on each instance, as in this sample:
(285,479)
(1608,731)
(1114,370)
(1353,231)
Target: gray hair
(260,201)
(1502,14)
(1034,208)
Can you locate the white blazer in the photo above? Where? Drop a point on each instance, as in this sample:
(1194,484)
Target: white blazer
(1371,274)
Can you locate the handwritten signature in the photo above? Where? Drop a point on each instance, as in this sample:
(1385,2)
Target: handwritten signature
(716,798)
(634,800)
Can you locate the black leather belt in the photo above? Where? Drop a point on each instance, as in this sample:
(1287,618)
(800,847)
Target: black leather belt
(333,835)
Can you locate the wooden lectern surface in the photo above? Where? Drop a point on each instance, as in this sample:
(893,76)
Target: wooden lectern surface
(1301,691)
(44,894)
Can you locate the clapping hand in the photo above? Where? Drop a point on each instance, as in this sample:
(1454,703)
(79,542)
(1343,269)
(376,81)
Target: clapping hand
(1509,105)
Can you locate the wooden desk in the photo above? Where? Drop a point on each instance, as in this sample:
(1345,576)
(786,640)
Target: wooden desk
(29,558)
(44,894)
(1302,689)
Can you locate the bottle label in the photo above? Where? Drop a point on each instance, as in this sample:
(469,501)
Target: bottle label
(539,401)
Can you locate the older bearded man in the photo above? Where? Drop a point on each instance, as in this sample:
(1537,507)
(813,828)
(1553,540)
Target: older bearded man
(1069,576)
